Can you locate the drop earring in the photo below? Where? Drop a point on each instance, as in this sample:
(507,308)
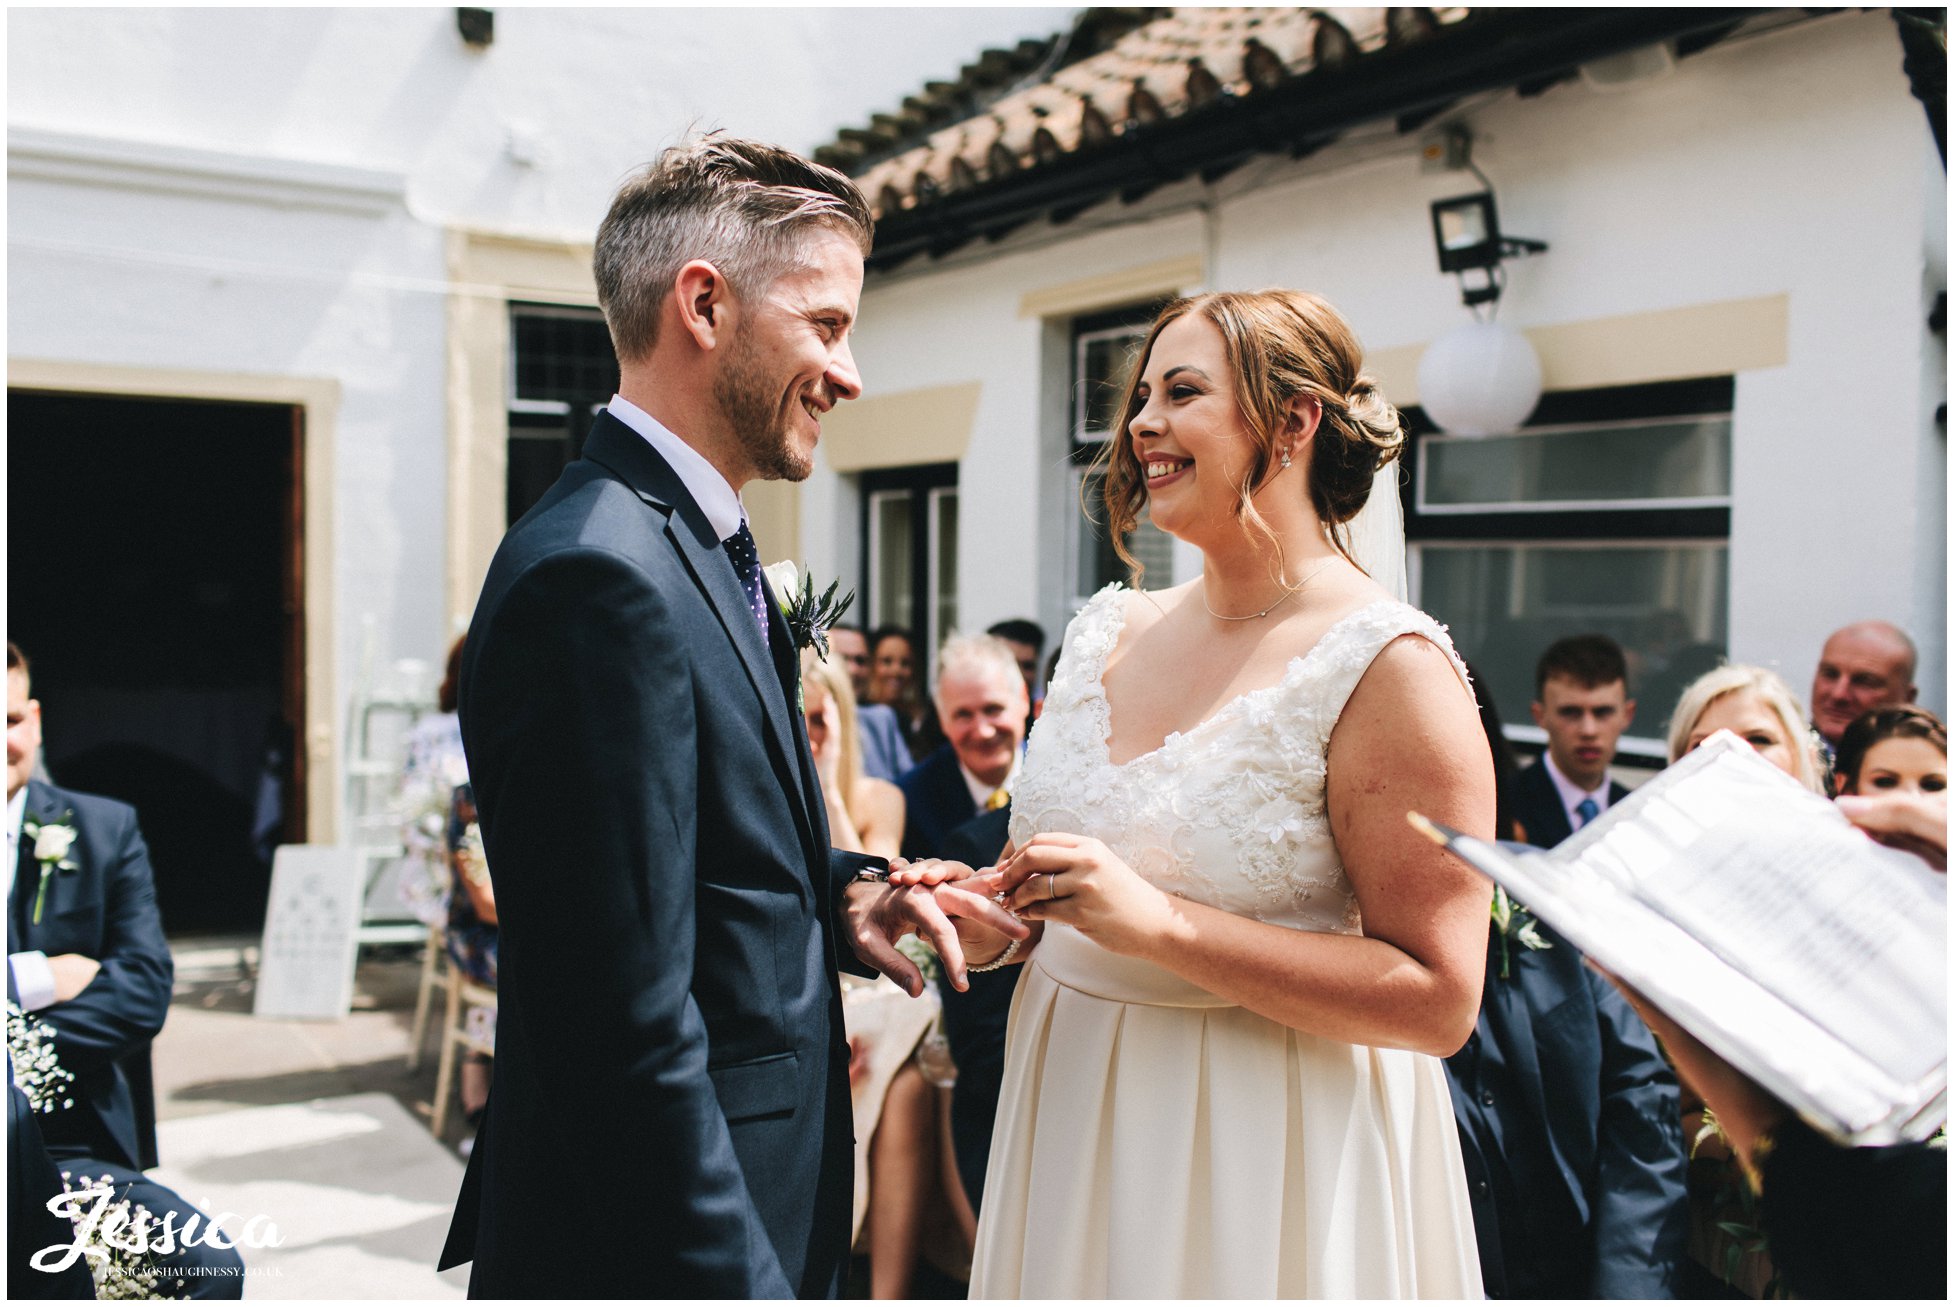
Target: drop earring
(1285,460)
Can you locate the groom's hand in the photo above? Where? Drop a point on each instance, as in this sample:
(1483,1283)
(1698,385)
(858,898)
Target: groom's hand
(945,915)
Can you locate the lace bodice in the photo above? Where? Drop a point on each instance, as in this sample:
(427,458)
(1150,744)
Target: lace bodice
(1230,813)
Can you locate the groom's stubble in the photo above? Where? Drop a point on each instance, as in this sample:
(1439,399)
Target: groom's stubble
(752,402)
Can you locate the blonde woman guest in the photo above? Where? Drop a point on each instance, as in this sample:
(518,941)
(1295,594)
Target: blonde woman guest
(1222,1075)
(864,813)
(898,1188)
(1757,705)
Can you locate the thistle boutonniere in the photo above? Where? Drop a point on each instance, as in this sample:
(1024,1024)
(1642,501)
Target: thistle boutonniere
(1513,921)
(809,617)
(52,842)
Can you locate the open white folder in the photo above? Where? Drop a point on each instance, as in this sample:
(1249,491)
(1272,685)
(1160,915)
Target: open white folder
(1748,909)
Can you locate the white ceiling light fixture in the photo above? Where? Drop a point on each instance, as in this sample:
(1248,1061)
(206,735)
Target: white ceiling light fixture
(1482,379)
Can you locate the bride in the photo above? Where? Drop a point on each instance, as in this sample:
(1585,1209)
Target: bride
(1222,1074)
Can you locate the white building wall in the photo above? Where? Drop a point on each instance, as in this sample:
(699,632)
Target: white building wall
(1793,164)
(181,246)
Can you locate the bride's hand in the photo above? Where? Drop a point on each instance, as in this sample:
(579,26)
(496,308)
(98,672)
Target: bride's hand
(1079,881)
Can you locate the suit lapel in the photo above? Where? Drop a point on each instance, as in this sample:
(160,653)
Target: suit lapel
(27,872)
(621,450)
(787,665)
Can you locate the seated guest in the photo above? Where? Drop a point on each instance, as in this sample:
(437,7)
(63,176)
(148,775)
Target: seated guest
(974,1022)
(1026,640)
(885,754)
(981,706)
(865,813)
(1581,701)
(86,954)
(1758,706)
(1863,666)
(893,681)
(1568,1119)
(1893,750)
(1844,1223)
(898,1175)
(434,766)
(473,937)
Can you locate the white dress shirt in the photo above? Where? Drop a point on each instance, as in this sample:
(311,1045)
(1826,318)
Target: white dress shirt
(1572,794)
(980,793)
(33,977)
(711,491)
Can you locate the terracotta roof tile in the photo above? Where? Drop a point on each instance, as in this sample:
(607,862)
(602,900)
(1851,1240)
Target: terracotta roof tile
(1178,64)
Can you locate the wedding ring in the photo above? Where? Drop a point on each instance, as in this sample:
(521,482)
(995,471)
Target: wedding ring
(1051,885)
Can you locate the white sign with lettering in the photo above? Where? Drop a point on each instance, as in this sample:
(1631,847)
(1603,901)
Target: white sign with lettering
(305,967)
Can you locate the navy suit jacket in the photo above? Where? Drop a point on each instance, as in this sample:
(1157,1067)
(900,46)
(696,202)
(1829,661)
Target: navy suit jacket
(670,1116)
(1582,1130)
(936,801)
(105,908)
(1537,804)
(975,1020)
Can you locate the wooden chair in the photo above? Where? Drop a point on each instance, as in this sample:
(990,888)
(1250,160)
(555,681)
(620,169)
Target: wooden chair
(463,994)
(437,972)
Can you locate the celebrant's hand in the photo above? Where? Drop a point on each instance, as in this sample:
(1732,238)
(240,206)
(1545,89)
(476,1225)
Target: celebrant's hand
(1916,823)
(944,915)
(1079,881)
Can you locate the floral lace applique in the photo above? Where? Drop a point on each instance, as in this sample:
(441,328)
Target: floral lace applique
(1231,812)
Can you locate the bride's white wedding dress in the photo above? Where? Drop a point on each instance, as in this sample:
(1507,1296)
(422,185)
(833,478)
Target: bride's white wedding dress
(1155,1140)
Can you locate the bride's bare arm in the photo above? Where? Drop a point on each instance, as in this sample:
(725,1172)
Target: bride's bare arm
(1409,739)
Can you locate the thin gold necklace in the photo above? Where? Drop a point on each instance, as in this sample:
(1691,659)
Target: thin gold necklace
(1287,595)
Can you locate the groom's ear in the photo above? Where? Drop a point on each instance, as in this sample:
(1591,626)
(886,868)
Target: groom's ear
(702,299)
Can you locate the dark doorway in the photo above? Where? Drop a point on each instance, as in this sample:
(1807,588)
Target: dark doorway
(153,566)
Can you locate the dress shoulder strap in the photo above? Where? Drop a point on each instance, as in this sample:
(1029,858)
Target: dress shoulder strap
(1089,640)
(1330,672)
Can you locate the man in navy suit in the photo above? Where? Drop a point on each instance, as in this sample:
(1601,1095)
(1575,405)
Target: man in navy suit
(982,705)
(1581,701)
(670,1116)
(1571,1133)
(86,955)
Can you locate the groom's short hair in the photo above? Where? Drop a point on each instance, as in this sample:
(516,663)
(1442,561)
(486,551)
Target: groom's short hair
(741,205)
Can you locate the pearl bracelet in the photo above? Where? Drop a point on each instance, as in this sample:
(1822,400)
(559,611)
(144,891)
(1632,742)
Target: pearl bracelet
(997,961)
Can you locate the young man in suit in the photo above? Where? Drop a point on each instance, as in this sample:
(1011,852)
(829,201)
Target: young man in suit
(86,955)
(670,1057)
(1570,1129)
(982,705)
(1581,701)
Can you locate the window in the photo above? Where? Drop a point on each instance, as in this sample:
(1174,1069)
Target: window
(1608,513)
(1103,348)
(911,562)
(561,374)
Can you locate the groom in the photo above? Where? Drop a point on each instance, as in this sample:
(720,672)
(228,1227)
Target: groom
(670,1116)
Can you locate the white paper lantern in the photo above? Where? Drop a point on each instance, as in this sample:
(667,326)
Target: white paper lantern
(1481,380)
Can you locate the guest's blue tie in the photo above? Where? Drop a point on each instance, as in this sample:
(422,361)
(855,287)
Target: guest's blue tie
(1587,810)
(746,563)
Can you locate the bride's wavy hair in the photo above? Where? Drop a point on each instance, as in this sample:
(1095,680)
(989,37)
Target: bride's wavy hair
(1279,344)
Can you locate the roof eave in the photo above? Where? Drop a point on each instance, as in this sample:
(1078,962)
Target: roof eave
(1490,50)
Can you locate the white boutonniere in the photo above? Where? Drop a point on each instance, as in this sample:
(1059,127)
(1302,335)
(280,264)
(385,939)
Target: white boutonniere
(52,842)
(1513,922)
(809,618)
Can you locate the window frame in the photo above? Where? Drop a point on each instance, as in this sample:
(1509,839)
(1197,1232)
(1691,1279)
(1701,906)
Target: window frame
(1694,522)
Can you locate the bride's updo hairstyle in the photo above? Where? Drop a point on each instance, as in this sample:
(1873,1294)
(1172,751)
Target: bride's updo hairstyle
(1279,344)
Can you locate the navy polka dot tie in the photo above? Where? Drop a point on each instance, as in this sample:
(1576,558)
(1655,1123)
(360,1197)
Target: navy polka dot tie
(746,564)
